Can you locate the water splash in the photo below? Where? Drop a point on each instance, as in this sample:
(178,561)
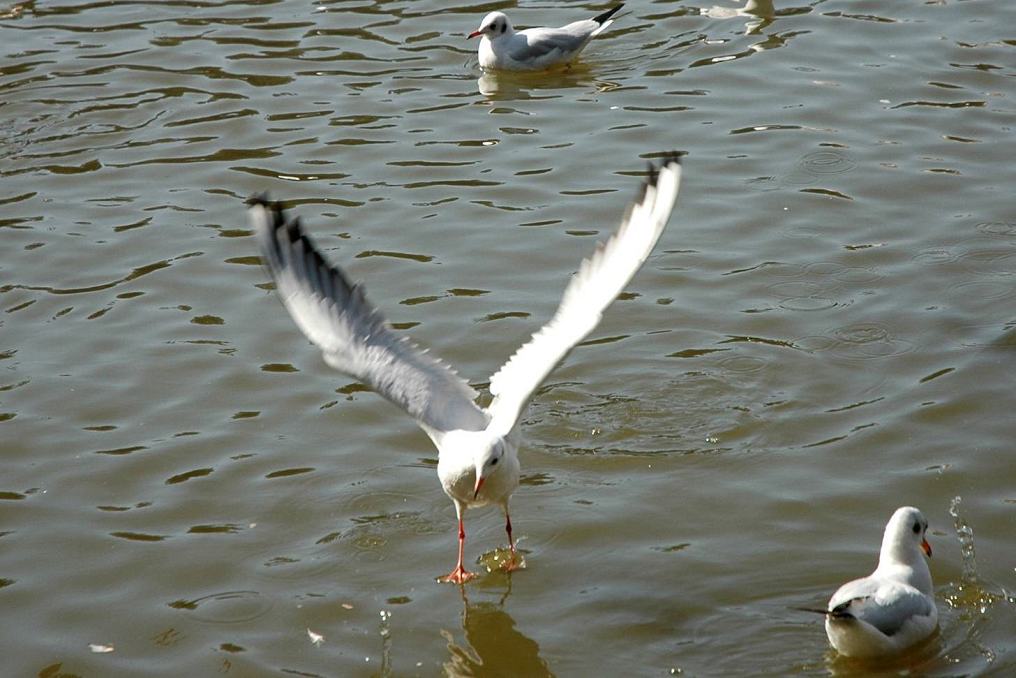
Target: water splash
(969,596)
(501,559)
(965,535)
(385,630)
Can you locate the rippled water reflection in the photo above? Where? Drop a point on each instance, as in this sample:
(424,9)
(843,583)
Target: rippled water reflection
(821,336)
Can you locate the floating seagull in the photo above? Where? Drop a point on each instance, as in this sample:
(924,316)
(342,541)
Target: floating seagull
(535,49)
(893,608)
(758,8)
(477,448)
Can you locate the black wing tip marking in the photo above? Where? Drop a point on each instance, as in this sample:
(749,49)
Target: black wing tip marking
(295,234)
(261,199)
(668,158)
(838,612)
(816,610)
(602,18)
(653,172)
(841,610)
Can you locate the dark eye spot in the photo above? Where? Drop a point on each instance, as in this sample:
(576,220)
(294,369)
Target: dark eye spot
(504,27)
(493,462)
(917,528)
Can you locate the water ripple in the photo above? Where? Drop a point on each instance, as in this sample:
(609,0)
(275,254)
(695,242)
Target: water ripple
(858,341)
(227,607)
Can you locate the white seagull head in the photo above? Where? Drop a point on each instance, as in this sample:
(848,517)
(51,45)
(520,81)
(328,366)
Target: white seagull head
(473,460)
(487,459)
(904,538)
(493,26)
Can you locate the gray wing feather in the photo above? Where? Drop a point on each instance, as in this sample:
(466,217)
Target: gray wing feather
(591,290)
(352,334)
(887,607)
(540,42)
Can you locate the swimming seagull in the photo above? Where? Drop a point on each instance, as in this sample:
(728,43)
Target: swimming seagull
(893,608)
(477,447)
(535,49)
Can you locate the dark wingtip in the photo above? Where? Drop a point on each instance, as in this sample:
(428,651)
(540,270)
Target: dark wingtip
(640,194)
(816,610)
(653,176)
(602,18)
(262,200)
(258,199)
(840,611)
(673,157)
(296,233)
(653,170)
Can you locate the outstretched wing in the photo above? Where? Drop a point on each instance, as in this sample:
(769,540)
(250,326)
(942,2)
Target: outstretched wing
(596,284)
(352,334)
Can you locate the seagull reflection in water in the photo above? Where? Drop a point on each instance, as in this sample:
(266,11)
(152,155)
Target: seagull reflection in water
(760,14)
(493,645)
(509,85)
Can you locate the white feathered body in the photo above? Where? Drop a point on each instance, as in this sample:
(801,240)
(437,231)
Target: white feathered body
(562,45)
(893,608)
(535,49)
(477,447)
(858,637)
(457,469)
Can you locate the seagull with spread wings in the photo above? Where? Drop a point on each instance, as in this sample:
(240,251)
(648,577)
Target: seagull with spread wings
(477,447)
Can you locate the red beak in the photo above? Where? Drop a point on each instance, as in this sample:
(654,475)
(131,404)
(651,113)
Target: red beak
(474,34)
(926,547)
(479,484)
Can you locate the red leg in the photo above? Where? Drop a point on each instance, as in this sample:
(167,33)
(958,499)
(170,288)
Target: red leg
(459,575)
(508,529)
(513,563)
